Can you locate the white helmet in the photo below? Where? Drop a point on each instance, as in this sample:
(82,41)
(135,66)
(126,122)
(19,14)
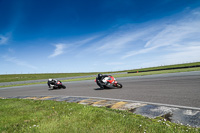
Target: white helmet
(50,80)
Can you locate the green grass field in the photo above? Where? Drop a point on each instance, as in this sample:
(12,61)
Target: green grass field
(25,77)
(37,116)
(166,67)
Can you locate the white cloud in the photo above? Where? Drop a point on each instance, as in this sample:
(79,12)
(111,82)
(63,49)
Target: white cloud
(185,54)
(71,46)
(18,62)
(3,40)
(181,33)
(153,43)
(142,51)
(116,42)
(85,41)
(58,51)
(176,34)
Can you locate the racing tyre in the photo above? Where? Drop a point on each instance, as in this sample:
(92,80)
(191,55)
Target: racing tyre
(63,86)
(119,85)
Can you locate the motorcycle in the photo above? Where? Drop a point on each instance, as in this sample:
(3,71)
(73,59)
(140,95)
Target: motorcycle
(58,85)
(110,82)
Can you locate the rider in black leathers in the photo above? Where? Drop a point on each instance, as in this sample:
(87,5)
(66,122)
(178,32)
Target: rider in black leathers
(51,82)
(99,79)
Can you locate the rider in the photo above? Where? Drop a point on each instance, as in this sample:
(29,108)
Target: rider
(51,82)
(99,79)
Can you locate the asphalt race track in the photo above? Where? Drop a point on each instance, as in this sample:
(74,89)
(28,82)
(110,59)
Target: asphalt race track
(181,89)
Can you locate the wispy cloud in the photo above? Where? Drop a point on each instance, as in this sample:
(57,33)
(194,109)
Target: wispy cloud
(3,39)
(176,34)
(112,43)
(71,46)
(142,51)
(181,33)
(59,50)
(18,62)
(156,40)
(169,41)
(85,41)
(114,63)
(189,53)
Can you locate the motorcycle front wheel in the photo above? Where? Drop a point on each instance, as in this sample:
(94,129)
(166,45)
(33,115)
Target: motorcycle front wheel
(119,85)
(63,86)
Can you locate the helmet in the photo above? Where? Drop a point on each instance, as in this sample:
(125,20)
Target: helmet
(100,75)
(50,80)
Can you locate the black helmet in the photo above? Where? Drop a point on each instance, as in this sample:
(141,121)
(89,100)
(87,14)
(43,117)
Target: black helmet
(100,75)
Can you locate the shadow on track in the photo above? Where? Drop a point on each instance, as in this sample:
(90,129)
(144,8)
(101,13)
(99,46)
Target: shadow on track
(97,89)
(56,89)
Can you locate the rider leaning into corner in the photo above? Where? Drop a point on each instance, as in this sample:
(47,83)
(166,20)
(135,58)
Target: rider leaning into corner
(51,82)
(99,79)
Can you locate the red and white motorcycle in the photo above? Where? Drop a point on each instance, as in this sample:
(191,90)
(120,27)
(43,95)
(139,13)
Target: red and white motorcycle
(110,82)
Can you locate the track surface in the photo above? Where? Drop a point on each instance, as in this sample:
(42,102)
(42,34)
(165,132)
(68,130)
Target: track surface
(177,89)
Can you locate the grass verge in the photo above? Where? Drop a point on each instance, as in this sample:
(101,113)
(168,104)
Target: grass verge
(186,65)
(21,115)
(25,77)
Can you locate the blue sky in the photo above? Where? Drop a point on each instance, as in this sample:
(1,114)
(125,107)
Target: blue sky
(50,36)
